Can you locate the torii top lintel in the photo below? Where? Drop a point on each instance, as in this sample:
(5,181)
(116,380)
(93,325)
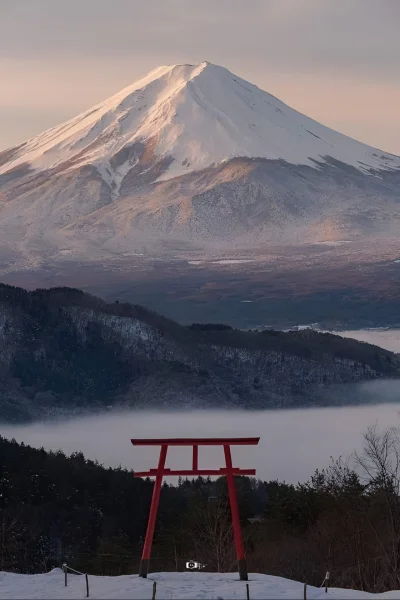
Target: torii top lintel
(253,441)
(195,443)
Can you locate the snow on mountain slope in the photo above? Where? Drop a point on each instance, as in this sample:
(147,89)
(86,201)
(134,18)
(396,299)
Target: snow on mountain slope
(189,585)
(194,116)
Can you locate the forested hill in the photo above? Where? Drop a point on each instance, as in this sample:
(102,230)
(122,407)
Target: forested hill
(64,351)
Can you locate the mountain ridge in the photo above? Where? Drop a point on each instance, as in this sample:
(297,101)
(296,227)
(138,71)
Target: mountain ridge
(65,352)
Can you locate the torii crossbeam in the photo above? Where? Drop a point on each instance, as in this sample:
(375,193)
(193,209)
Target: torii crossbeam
(228,470)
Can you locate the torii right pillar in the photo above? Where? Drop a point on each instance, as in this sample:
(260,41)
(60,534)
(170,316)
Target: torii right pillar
(237,533)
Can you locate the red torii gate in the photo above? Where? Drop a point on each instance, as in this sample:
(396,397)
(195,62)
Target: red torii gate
(228,470)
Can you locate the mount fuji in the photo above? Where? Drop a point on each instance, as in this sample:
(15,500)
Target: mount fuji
(190,156)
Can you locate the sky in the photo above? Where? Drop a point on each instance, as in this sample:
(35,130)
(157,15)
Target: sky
(337,61)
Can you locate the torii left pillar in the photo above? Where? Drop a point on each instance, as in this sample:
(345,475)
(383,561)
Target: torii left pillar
(228,470)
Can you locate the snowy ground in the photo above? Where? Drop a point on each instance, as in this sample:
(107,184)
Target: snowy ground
(169,585)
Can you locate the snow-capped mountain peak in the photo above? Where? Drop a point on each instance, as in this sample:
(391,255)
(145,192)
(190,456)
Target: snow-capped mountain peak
(192,154)
(193,116)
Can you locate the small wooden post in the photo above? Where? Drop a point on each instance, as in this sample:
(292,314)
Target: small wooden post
(326,582)
(247,591)
(65,574)
(305,592)
(87,585)
(154,590)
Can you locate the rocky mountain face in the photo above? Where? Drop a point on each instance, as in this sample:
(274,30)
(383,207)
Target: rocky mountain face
(63,352)
(192,155)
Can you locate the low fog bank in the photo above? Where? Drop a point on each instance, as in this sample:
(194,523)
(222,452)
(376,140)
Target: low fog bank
(385,338)
(376,392)
(293,442)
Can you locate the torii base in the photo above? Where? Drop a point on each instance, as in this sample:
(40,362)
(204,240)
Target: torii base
(144,567)
(242,568)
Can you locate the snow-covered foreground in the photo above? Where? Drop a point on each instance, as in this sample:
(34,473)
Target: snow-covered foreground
(169,585)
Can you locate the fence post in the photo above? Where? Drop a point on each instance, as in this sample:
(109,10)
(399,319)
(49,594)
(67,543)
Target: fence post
(305,592)
(154,591)
(327,582)
(247,591)
(87,585)
(64,568)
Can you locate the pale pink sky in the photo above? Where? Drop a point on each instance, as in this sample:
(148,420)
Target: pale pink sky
(337,61)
